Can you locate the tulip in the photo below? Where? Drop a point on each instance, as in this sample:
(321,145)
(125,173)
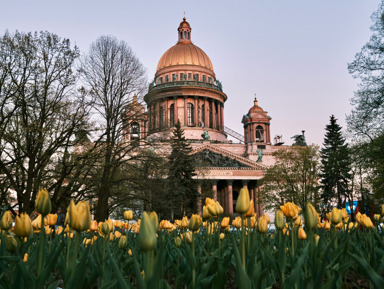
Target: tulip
(212,209)
(79,216)
(279,220)
(339,226)
(51,219)
(177,242)
(225,222)
(222,235)
(59,230)
(310,217)
(155,220)
(87,242)
(111,227)
(345,220)
(206,214)
(130,252)
(209,201)
(188,237)
(382,210)
(317,238)
(237,222)
(184,222)
(117,234)
(36,223)
(285,232)
(328,216)
(128,215)
(302,234)
(219,208)
(376,217)
(147,234)
(336,216)
(327,225)
(48,230)
(10,244)
(194,222)
(262,225)
(290,210)
(6,221)
(253,221)
(243,204)
(105,228)
(94,226)
(344,213)
(25,259)
(251,210)
(123,242)
(117,224)
(43,202)
(23,225)
(365,221)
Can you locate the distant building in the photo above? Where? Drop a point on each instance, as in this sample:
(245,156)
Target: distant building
(185,88)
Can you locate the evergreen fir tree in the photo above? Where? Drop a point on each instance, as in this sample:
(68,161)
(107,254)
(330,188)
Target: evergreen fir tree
(336,165)
(182,189)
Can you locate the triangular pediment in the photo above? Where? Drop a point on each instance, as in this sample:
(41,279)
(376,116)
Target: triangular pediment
(210,156)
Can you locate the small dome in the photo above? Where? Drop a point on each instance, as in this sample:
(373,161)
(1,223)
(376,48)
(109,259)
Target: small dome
(184,24)
(255,107)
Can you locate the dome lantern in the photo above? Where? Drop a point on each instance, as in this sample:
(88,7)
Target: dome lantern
(184,31)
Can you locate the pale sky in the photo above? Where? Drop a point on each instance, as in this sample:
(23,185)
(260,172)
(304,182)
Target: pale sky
(293,54)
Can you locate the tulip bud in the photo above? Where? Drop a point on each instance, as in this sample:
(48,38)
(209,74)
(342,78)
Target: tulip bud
(23,225)
(328,216)
(6,221)
(302,234)
(184,222)
(128,215)
(10,244)
(51,219)
(195,222)
(317,238)
(251,210)
(279,220)
(177,242)
(43,202)
(130,252)
(36,224)
(310,217)
(105,228)
(25,259)
(154,220)
(298,222)
(344,213)
(117,224)
(285,232)
(219,208)
(212,209)
(243,204)
(376,217)
(336,216)
(222,235)
(94,226)
(206,214)
(262,225)
(345,220)
(188,237)
(123,242)
(290,210)
(79,216)
(225,222)
(147,234)
(209,201)
(59,230)
(117,234)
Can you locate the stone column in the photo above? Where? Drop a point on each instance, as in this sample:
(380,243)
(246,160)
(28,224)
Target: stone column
(199,207)
(219,118)
(149,117)
(196,111)
(185,111)
(213,114)
(176,111)
(214,189)
(206,112)
(252,134)
(230,197)
(166,120)
(222,116)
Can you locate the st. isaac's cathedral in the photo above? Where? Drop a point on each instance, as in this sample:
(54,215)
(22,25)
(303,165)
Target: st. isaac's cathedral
(185,88)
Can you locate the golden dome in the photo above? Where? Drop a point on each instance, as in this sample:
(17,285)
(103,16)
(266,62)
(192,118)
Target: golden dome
(256,107)
(184,53)
(184,24)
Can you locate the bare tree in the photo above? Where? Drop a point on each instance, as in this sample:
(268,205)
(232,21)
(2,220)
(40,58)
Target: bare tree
(40,111)
(111,74)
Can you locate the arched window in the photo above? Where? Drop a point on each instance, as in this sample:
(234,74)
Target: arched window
(172,115)
(135,131)
(161,112)
(259,134)
(189,35)
(191,113)
(181,35)
(202,115)
(185,34)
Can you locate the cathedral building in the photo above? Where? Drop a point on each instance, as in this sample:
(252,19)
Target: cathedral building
(185,88)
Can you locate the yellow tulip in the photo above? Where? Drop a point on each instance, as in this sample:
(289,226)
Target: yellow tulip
(328,216)
(195,222)
(317,238)
(382,210)
(105,228)
(365,221)
(155,220)
(225,222)
(222,235)
(290,210)
(177,242)
(48,230)
(123,242)
(23,225)
(59,230)
(128,215)
(188,237)
(243,203)
(51,219)
(302,235)
(237,222)
(262,224)
(36,223)
(6,221)
(310,217)
(219,208)
(376,217)
(79,216)
(130,252)
(43,202)
(285,232)
(279,220)
(184,222)
(298,222)
(251,210)
(117,234)
(339,226)
(206,214)
(345,220)
(10,244)
(111,227)
(344,213)
(94,226)
(147,234)
(336,216)
(212,209)
(209,201)
(117,224)
(25,259)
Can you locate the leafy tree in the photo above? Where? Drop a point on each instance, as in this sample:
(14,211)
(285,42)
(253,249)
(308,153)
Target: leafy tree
(182,188)
(293,178)
(336,165)
(41,112)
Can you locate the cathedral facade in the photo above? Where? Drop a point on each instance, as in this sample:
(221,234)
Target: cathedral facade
(185,89)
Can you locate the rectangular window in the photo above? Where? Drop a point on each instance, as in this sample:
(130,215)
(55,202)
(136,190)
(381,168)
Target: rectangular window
(174,76)
(166,78)
(181,76)
(196,77)
(189,76)
(210,80)
(204,78)
(161,80)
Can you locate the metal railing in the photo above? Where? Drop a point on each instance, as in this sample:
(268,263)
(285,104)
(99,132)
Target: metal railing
(234,134)
(172,84)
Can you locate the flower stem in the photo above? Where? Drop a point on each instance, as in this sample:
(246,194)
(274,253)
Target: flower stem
(41,247)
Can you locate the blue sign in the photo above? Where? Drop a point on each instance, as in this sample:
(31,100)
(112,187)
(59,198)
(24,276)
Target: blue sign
(348,207)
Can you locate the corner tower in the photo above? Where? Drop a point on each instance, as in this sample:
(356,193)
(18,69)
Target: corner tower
(185,88)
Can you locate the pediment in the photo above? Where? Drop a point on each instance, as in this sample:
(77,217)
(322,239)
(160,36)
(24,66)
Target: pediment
(210,156)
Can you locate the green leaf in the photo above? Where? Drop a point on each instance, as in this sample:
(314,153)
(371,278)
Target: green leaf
(297,269)
(243,281)
(369,272)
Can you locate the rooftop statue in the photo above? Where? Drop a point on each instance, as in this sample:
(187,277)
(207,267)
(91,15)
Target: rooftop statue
(205,135)
(259,155)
